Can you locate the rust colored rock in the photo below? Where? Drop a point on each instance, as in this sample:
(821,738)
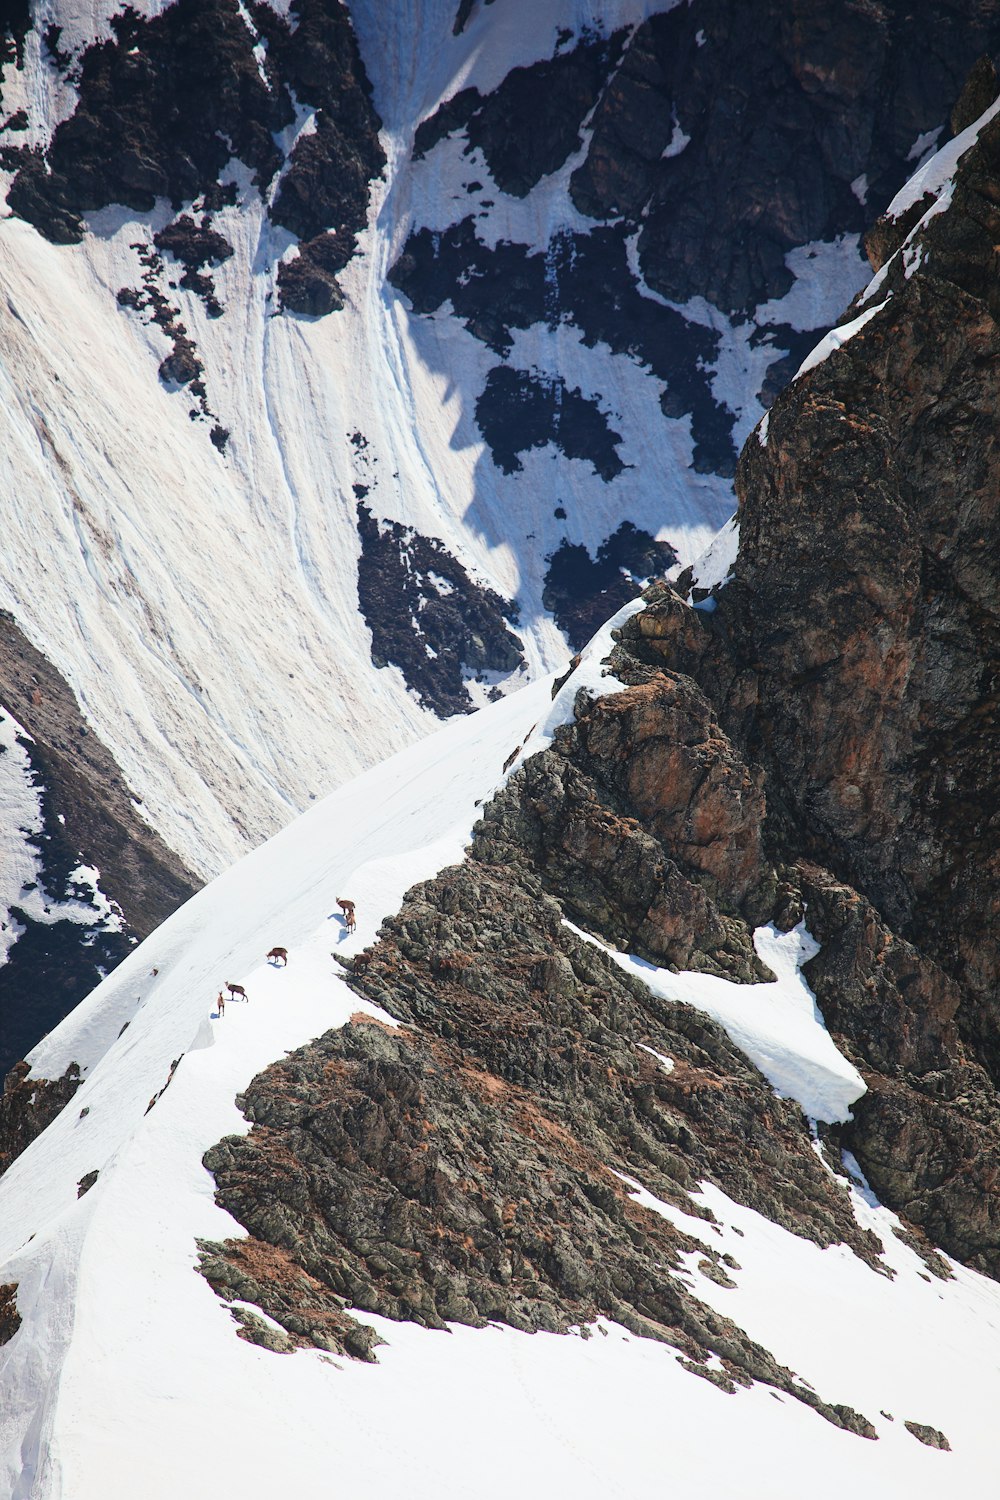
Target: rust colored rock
(660,744)
(892,1008)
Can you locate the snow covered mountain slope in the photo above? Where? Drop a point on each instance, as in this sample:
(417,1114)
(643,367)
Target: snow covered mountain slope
(126,1372)
(357,360)
(647,1124)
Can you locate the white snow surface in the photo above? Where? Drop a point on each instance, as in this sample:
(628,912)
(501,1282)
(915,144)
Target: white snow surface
(778,1024)
(828,274)
(127,1377)
(935,176)
(714,568)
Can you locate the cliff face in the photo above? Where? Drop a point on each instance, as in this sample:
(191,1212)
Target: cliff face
(854,655)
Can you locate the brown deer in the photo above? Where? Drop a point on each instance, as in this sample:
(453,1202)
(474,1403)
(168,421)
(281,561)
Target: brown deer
(236,989)
(220,1006)
(347,907)
(278,954)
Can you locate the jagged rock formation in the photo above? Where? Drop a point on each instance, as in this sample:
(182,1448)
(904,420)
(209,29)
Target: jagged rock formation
(461,1169)
(27,1105)
(458,1169)
(854,655)
(10,1320)
(696,155)
(925,1131)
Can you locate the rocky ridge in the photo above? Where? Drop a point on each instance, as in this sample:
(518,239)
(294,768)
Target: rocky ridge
(816,740)
(682,882)
(854,656)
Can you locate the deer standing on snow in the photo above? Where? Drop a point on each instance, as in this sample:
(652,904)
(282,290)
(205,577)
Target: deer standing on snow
(220,1006)
(236,989)
(276,954)
(347,907)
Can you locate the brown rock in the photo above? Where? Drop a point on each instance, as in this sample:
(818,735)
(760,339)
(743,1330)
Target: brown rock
(660,744)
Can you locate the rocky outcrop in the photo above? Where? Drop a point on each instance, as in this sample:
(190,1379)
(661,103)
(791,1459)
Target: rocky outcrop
(468,1166)
(792,124)
(10,1318)
(819,739)
(930,1436)
(585,281)
(428,617)
(15,23)
(853,656)
(86,788)
(196,245)
(459,1169)
(874,499)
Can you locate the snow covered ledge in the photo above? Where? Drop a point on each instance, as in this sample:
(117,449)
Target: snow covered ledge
(778,1025)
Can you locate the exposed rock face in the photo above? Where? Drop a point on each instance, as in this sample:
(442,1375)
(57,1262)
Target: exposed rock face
(15,23)
(138,871)
(876,499)
(581,280)
(458,1169)
(930,1436)
(428,617)
(10,1318)
(196,246)
(854,656)
(462,1168)
(803,107)
(89,817)
(823,741)
(27,1105)
(164,107)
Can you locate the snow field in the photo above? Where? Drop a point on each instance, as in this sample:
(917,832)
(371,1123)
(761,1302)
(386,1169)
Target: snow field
(214,639)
